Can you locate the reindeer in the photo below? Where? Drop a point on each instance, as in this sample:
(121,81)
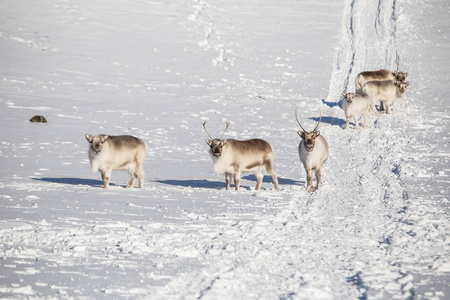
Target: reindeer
(232,157)
(387,91)
(380,75)
(313,152)
(123,152)
(355,105)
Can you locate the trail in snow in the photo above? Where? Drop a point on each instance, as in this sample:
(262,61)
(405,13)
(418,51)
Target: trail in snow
(368,42)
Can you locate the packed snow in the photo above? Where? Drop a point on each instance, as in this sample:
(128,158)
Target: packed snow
(378,228)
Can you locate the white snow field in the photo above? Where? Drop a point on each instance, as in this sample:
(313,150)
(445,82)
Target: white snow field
(378,228)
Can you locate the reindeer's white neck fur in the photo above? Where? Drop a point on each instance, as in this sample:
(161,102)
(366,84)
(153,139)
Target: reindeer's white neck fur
(99,160)
(224,163)
(399,95)
(315,158)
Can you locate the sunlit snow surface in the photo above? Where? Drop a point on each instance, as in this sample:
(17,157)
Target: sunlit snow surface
(377,229)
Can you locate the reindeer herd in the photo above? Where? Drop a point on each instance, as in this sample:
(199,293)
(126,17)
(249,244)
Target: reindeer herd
(372,87)
(233,157)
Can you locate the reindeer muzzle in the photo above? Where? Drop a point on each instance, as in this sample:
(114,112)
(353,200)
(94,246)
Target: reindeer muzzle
(309,148)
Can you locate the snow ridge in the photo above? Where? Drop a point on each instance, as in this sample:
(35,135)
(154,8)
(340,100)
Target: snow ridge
(367,42)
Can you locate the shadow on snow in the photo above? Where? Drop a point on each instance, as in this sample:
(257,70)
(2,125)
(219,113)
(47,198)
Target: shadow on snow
(281,181)
(332,104)
(218,185)
(74,181)
(193,183)
(331,120)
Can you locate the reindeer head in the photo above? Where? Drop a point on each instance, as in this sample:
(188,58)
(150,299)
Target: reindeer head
(96,143)
(400,76)
(216,145)
(349,97)
(401,86)
(309,138)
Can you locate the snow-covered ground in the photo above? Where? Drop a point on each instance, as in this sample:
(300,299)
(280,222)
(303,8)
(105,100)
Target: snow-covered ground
(378,228)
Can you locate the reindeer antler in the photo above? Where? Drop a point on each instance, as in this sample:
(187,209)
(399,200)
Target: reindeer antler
(299,121)
(228,125)
(204,127)
(320,118)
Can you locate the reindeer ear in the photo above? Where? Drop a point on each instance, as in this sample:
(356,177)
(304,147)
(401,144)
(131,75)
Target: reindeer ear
(88,137)
(344,94)
(406,84)
(104,138)
(223,142)
(209,142)
(406,74)
(316,133)
(396,73)
(301,134)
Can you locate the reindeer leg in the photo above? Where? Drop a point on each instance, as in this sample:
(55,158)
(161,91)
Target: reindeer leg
(356,122)
(228,180)
(132,179)
(259,178)
(366,119)
(106,175)
(237,180)
(374,109)
(309,183)
(269,168)
(388,107)
(140,173)
(348,121)
(275,180)
(318,178)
